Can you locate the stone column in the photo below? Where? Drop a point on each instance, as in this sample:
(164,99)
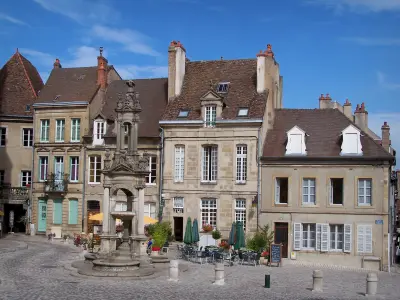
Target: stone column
(106,211)
(122,135)
(134,136)
(118,136)
(140,212)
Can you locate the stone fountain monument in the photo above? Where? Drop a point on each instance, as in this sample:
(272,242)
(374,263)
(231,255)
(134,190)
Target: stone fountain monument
(124,171)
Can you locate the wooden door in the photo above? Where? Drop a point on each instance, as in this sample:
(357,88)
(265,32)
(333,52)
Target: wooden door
(282,237)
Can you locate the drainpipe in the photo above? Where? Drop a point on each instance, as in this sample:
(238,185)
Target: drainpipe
(160,183)
(83,188)
(32,176)
(259,175)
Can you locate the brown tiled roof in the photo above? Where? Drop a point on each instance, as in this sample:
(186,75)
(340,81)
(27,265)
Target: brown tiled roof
(242,75)
(323,128)
(153,95)
(20,83)
(70,84)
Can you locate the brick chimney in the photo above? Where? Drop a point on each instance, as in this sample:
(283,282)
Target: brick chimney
(102,66)
(265,61)
(57,64)
(176,68)
(386,136)
(347,110)
(361,117)
(325,101)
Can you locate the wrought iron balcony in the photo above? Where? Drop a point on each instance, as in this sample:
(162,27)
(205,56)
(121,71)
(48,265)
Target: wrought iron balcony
(13,195)
(56,183)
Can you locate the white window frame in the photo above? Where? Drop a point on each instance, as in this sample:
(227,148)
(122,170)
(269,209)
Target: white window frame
(94,160)
(26,178)
(99,130)
(209,212)
(178,205)
(75,130)
(364,239)
(179,163)
(240,211)
(60,131)
(44,131)
(28,133)
(278,190)
(151,179)
(210,116)
(362,198)
(209,163)
(336,230)
(331,191)
(309,239)
(241,164)
(43,160)
(76,175)
(149,213)
(3,136)
(309,198)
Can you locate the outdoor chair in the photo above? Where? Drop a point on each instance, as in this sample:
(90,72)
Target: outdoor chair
(165,248)
(218,257)
(255,259)
(201,257)
(230,259)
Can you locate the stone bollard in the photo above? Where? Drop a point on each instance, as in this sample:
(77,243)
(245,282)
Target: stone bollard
(174,270)
(317,281)
(219,274)
(372,284)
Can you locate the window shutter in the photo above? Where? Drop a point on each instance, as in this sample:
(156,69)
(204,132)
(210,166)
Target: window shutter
(360,238)
(324,237)
(368,238)
(57,210)
(203,153)
(318,237)
(330,192)
(277,190)
(297,236)
(347,238)
(73,212)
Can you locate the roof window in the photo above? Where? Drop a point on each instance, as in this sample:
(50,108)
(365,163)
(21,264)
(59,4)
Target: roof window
(243,112)
(223,87)
(183,113)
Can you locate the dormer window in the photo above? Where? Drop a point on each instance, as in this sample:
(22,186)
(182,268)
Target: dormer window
(351,144)
(243,112)
(210,115)
(99,129)
(222,87)
(296,143)
(183,113)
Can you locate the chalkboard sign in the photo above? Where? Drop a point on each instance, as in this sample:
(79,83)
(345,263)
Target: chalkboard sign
(275,254)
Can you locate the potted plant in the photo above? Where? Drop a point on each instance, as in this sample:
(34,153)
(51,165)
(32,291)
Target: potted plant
(264,258)
(216,234)
(160,236)
(224,245)
(207,228)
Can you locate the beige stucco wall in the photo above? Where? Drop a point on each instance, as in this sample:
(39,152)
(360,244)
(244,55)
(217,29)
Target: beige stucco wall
(324,212)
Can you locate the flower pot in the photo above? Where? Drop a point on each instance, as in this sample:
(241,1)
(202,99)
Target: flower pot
(155,253)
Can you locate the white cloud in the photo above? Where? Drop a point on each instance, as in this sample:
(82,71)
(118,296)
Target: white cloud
(375,122)
(359,5)
(83,56)
(81,11)
(39,57)
(363,41)
(133,71)
(11,19)
(131,40)
(386,84)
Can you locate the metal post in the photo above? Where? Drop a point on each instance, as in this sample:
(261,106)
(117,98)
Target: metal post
(267,281)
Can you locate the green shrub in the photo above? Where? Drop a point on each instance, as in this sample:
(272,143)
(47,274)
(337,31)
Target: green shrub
(216,234)
(160,234)
(262,239)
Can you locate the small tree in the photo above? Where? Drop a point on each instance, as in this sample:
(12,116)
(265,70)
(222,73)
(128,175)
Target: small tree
(262,239)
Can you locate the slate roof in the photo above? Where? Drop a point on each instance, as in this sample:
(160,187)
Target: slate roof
(323,128)
(70,84)
(242,75)
(153,97)
(20,84)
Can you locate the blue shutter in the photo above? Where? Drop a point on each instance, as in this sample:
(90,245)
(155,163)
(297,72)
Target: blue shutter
(57,217)
(73,212)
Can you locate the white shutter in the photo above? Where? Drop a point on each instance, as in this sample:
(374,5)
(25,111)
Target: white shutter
(368,238)
(277,191)
(318,236)
(297,236)
(347,238)
(330,192)
(360,238)
(324,237)
(203,153)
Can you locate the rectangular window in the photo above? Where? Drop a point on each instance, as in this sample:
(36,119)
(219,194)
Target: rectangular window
(75,130)
(209,212)
(43,167)
(99,130)
(2,175)
(150,210)
(74,168)
(27,137)
(364,239)
(94,169)
(241,164)
(179,163)
(3,136)
(26,178)
(210,115)
(209,164)
(309,236)
(178,205)
(44,130)
(73,212)
(151,178)
(336,237)
(364,191)
(240,211)
(57,211)
(281,190)
(308,190)
(336,191)
(60,130)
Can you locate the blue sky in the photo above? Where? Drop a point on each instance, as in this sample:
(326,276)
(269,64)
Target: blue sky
(348,48)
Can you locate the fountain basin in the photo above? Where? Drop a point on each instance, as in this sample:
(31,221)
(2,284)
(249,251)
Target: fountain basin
(123,214)
(111,265)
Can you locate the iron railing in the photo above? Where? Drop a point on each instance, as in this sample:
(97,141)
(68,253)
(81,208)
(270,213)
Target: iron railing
(56,183)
